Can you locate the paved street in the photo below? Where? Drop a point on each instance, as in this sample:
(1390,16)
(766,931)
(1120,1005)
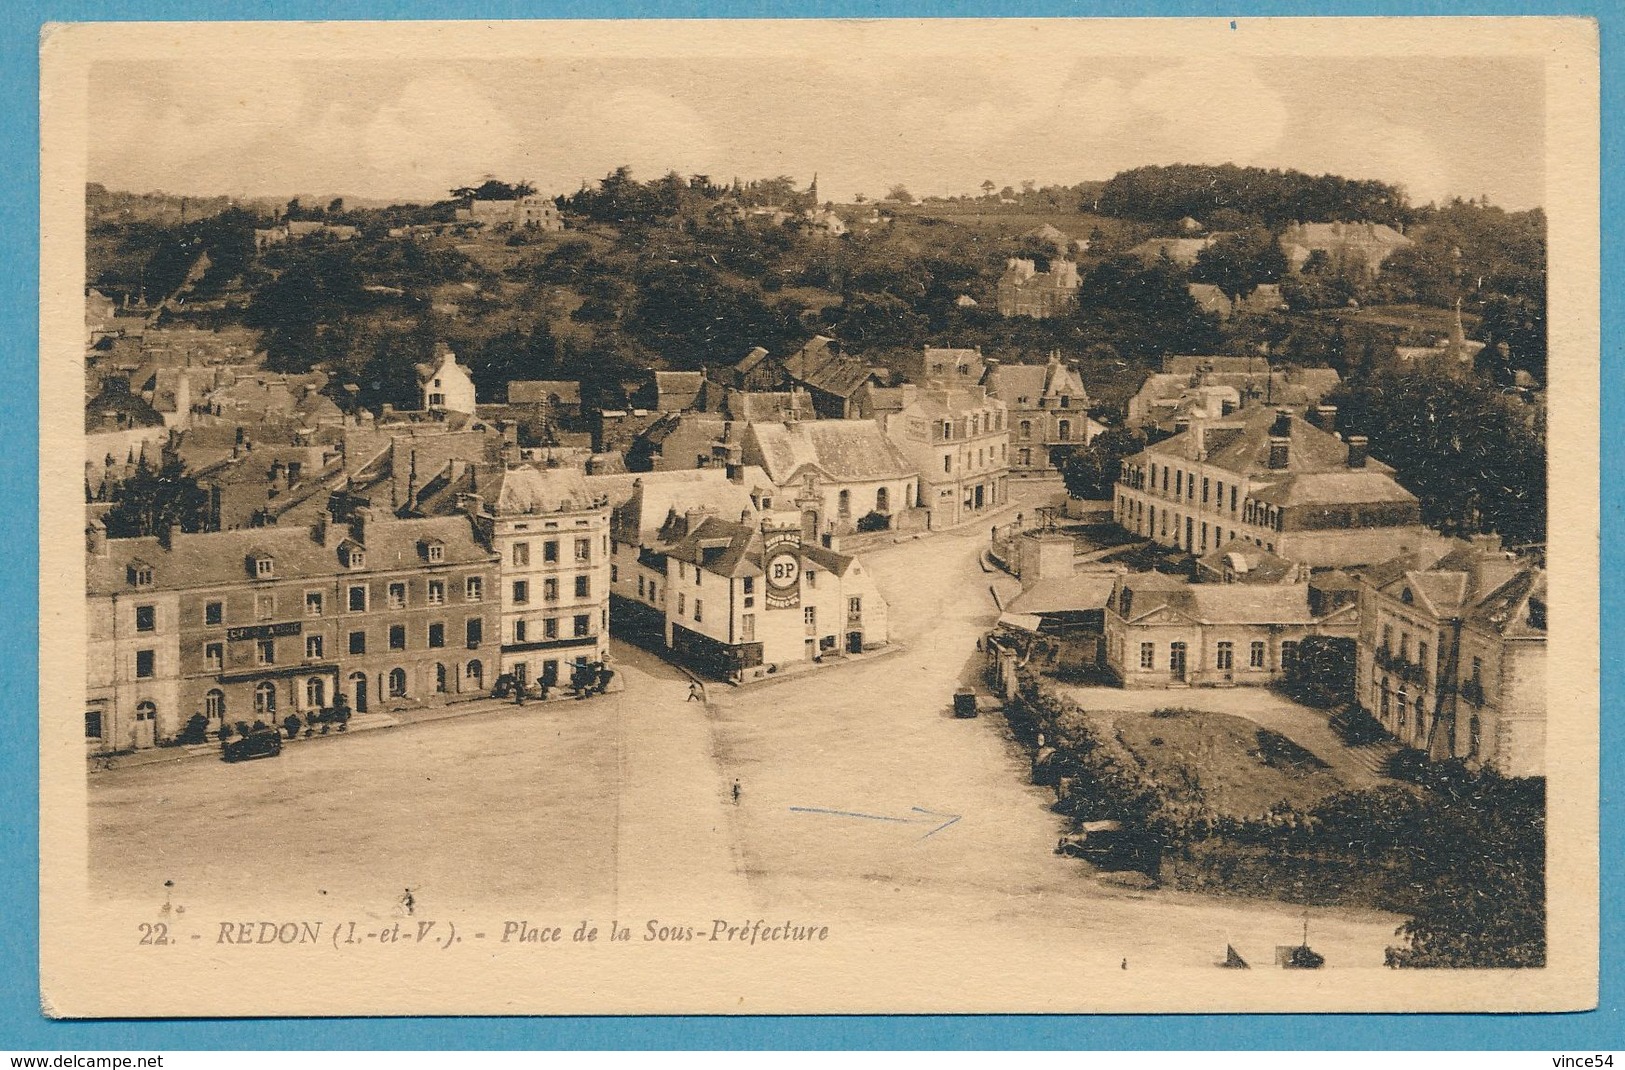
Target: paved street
(863,803)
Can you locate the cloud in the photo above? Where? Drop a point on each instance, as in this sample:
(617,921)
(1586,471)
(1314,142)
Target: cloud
(441,131)
(1210,110)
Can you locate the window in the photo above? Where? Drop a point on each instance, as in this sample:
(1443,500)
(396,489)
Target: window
(437,593)
(550,590)
(214,613)
(473,589)
(439,678)
(854,607)
(355,557)
(1422,655)
(437,634)
(358,642)
(583,551)
(640,586)
(1026,429)
(1404,646)
(550,628)
(397,596)
(397,683)
(1227,656)
(747,628)
(214,656)
(882,500)
(475,672)
(1065,431)
(844,503)
(264,699)
(214,704)
(397,637)
(313,646)
(521,592)
(358,598)
(614,573)
(948,464)
(313,603)
(1179,484)
(584,588)
(264,606)
(140,575)
(583,621)
(1232,500)
(809,616)
(1387,637)
(265,651)
(550,551)
(1475,736)
(1255,655)
(146,618)
(1148,655)
(315,693)
(1204,490)
(263,567)
(699,609)
(682,603)
(144,664)
(1176,658)
(521,554)
(474,632)
(750,584)
(93,724)
(521,631)
(434,552)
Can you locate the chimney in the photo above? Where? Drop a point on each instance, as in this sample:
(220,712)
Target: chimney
(169,536)
(1282,427)
(1280,447)
(1199,435)
(1181,425)
(318,530)
(1487,543)
(1326,418)
(1357,450)
(736,473)
(358,526)
(96,538)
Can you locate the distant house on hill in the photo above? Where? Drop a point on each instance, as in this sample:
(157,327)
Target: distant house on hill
(1262,299)
(1023,290)
(1358,247)
(445,385)
(1182,251)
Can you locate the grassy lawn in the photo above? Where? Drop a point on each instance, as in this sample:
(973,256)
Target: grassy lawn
(1227,762)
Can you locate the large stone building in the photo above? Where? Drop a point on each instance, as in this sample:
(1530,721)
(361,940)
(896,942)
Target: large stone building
(1352,247)
(1023,290)
(1164,631)
(1271,478)
(837,473)
(260,623)
(745,599)
(551,535)
(1452,656)
(958,440)
(1048,411)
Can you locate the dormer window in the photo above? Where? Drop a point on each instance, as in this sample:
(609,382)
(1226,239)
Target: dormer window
(139,574)
(434,551)
(353,554)
(261,566)
(1406,596)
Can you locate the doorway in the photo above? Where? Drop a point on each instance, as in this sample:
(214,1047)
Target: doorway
(358,684)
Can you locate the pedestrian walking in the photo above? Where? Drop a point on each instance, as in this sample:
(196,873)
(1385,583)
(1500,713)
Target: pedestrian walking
(694,692)
(736,791)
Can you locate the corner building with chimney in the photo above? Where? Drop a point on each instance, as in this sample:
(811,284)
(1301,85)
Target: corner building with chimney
(1288,484)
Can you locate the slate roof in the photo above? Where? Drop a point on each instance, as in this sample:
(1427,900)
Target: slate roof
(839,450)
(221,557)
(538,391)
(675,391)
(1251,563)
(1241,444)
(729,548)
(1012,382)
(821,365)
(1066,594)
(644,502)
(1219,603)
(1351,486)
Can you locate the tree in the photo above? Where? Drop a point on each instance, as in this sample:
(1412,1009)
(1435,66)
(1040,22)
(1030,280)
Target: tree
(1237,263)
(900,194)
(1090,471)
(988,187)
(150,503)
(1322,673)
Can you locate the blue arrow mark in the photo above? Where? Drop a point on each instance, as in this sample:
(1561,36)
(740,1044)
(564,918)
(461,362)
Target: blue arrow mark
(929,816)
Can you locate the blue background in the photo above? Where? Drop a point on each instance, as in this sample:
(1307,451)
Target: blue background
(21,1025)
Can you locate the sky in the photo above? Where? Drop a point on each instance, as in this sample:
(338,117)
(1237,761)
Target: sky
(410,127)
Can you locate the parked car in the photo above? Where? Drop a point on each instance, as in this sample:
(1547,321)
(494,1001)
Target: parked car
(1109,844)
(263,743)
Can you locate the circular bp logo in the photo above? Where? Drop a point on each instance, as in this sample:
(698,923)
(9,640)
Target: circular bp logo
(783,569)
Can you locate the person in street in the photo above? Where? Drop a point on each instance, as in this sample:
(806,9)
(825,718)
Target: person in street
(694,692)
(736,791)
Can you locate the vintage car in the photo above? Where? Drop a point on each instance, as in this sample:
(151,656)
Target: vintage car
(260,743)
(1110,844)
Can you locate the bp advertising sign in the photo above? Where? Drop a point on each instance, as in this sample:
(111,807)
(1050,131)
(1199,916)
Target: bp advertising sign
(781,558)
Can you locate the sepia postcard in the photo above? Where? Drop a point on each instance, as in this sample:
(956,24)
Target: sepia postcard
(819,517)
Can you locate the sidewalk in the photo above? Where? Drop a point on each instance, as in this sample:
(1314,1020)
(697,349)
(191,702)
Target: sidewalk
(361,722)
